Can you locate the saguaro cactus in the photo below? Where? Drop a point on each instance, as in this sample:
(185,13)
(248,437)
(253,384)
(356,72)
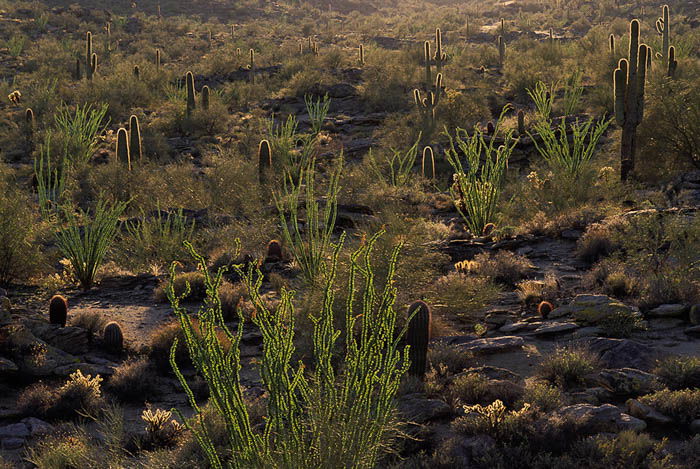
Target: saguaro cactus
(137,72)
(264,161)
(440,57)
(135,150)
(205,97)
(251,66)
(521,122)
(157,59)
(672,62)
(29,129)
(501,51)
(93,65)
(427,60)
(629,82)
(123,153)
(418,337)
(611,44)
(189,78)
(428,153)
(663,27)
(88,55)
(427,106)
(362,54)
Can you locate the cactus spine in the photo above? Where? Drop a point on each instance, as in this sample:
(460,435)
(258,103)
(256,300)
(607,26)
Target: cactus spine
(189,78)
(123,153)
(113,337)
(418,337)
(427,106)
(135,150)
(629,82)
(58,310)
(501,51)
(264,161)
(205,97)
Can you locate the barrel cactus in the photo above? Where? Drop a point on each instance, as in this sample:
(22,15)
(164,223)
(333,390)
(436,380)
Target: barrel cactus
(113,337)
(58,310)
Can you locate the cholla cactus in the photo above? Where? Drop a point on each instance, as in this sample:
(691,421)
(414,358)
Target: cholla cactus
(15,97)
(161,429)
(629,84)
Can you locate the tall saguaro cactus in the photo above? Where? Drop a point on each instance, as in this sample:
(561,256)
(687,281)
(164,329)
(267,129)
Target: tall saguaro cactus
(663,27)
(88,55)
(501,51)
(629,82)
(123,153)
(189,78)
(427,60)
(418,337)
(427,106)
(252,66)
(135,139)
(440,57)
(264,161)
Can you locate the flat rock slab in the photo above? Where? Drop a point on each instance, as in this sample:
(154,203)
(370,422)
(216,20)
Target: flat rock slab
(590,309)
(555,328)
(628,382)
(604,418)
(418,409)
(491,345)
(621,353)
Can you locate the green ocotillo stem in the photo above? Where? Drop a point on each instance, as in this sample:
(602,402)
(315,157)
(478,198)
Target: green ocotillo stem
(418,337)
(135,150)
(123,153)
(205,97)
(264,161)
(663,27)
(88,55)
(189,78)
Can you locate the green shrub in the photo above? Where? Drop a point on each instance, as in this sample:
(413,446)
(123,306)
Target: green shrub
(679,372)
(682,405)
(134,381)
(621,324)
(568,366)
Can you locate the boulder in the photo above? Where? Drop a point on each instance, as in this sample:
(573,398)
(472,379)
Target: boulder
(73,340)
(605,418)
(694,315)
(621,353)
(694,426)
(12,443)
(668,311)
(647,413)
(490,345)
(14,430)
(628,382)
(416,408)
(555,328)
(7,366)
(590,309)
(32,355)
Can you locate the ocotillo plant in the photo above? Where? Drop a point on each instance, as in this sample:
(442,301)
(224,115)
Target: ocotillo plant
(440,57)
(427,106)
(501,51)
(205,97)
(251,66)
(264,161)
(123,153)
(135,151)
(189,78)
(629,82)
(418,337)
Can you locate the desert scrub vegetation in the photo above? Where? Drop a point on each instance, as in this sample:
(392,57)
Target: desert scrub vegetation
(568,366)
(679,372)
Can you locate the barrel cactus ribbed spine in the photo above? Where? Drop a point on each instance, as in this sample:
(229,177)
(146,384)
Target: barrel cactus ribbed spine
(58,310)
(418,337)
(113,337)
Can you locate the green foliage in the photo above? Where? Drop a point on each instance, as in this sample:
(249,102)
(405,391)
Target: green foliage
(682,405)
(318,110)
(572,93)
(543,97)
(478,184)
(568,366)
(679,372)
(20,253)
(78,130)
(86,246)
(309,241)
(50,181)
(396,169)
(15,45)
(569,158)
(320,419)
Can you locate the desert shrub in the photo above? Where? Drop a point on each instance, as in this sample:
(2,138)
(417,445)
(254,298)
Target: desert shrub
(134,381)
(681,405)
(92,322)
(469,388)
(462,296)
(451,356)
(80,393)
(503,266)
(568,366)
(192,281)
(459,109)
(295,425)
(63,451)
(160,345)
(621,324)
(626,449)
(542,396)
(162,431)
(535,291)
(494,420)
(679,372)
(598,241)
(19,231)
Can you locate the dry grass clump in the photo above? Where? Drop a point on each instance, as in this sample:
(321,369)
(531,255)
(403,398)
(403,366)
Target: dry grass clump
(462,296)
(535,291)
(503,266)
(134,381)
(92,322)
(542,396)
(451,356)
(599,241)
(568,366)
